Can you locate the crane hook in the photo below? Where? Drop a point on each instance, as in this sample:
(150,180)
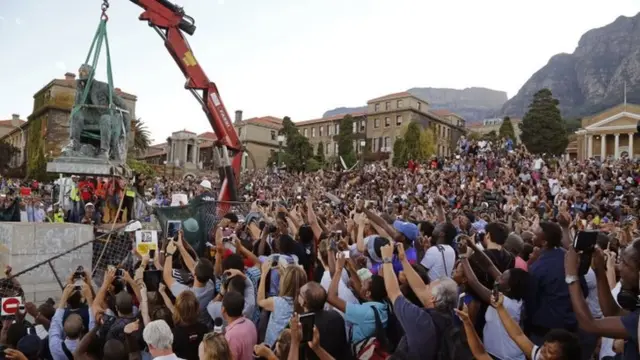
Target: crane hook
(104,7)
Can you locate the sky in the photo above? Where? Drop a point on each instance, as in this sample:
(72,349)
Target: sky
(295,58)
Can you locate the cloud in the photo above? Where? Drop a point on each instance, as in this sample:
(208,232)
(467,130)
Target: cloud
(221,2)
(61,65)
(18,21)
(1,18)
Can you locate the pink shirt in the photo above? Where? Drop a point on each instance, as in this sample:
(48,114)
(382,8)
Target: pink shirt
(242,336)
(521,264)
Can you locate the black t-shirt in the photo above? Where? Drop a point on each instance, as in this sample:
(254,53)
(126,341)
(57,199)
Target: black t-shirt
(186,340)
(333,336)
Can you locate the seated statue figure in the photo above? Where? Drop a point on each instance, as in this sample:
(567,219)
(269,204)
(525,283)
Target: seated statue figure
(95,116)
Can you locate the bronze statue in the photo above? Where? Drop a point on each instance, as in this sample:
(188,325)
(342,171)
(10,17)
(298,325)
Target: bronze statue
(95,130)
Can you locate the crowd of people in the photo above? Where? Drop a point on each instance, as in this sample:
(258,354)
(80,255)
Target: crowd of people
(493,253)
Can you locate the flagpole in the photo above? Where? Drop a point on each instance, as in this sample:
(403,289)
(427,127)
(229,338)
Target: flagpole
(625,95)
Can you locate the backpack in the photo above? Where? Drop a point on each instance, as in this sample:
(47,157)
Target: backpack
(453,343)
(375,347)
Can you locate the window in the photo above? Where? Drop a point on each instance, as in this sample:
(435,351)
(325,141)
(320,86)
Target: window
(376,123)
(320,131)
(399,104)
(313,132)
(354,127)
(273,135)
(329,130)
(387,144)
(335,148)
(374,144)
(387,122)
(363,126)
(305,132)
(337,127)
(387,105)
(327,148)
(398,120)
(240,132)
(355,145)
(419,105)
(377,107)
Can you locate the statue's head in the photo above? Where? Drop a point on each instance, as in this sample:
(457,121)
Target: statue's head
(84,71)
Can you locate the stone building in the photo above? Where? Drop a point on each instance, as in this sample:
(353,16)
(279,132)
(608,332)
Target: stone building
(47,128)
(12,132)
(259,135)
(488,125)
(326,131)
(381,124)
(609,134)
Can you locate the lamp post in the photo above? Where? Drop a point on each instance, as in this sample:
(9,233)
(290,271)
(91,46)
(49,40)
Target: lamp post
(363,144)
(280,141)
(164,173)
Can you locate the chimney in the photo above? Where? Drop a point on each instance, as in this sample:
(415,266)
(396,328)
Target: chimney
(70,76)
(238,116)
(15,116)
(117,90)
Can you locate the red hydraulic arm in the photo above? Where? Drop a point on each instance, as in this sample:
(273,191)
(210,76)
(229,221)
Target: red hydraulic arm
(170,21)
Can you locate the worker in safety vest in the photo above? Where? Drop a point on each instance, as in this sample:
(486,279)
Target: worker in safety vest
(129,201)
(76,202)
(57,214)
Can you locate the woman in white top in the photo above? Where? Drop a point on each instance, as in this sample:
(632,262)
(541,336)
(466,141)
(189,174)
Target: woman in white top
(513,284)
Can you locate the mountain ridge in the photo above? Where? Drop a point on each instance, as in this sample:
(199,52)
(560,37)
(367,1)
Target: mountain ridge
(592,78)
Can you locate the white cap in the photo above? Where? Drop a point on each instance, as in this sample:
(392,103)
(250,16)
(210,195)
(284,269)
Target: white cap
(206,184)
(88,204)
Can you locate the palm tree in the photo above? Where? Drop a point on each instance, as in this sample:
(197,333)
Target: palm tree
(141,137)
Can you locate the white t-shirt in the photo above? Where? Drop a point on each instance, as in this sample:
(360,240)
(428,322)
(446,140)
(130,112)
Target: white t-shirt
(496,339)
(592,298)
(537,163)
(433,260)
(344,292)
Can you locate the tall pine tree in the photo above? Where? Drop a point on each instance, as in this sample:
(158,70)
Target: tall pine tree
(297,151)
(506,130)
(543,130)
(345,141)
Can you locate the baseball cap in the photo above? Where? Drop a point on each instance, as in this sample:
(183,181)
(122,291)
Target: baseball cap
(30,346)
(409,230)
(88,204)
(206,184)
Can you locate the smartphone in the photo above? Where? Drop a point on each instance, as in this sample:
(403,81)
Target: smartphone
(461,301)
(346,254)
(152,254)
(307,321)
(120,273)
(227,239)
(495,293)
(585,244)
(275,260)
(152,279)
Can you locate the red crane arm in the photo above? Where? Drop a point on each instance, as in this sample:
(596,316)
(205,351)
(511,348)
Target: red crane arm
(169,21)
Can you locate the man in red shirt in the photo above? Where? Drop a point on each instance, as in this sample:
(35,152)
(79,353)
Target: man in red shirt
(86,188)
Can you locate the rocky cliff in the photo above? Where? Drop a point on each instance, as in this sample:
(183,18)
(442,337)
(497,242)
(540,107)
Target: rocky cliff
(473,104)
(593,78)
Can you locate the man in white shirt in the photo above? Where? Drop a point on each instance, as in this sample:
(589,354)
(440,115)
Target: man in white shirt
(159,338)
(441,258)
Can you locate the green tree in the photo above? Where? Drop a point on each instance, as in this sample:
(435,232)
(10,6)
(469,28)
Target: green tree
(320,153)
(506,130)
(345,141)
(490,136)
(412,141)
(298,149)
(473,135)
(141,137)
(400,157)
(427,143)
(543,130)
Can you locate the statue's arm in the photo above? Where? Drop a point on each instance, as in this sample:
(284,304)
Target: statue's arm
(126,117)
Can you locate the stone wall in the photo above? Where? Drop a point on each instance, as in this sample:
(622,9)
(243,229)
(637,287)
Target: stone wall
(27,244)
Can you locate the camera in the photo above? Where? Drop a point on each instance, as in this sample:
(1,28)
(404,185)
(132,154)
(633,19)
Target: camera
(79,274)
(227,239)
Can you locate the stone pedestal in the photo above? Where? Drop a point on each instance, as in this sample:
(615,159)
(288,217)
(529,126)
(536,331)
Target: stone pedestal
(87,166)
(28,244)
